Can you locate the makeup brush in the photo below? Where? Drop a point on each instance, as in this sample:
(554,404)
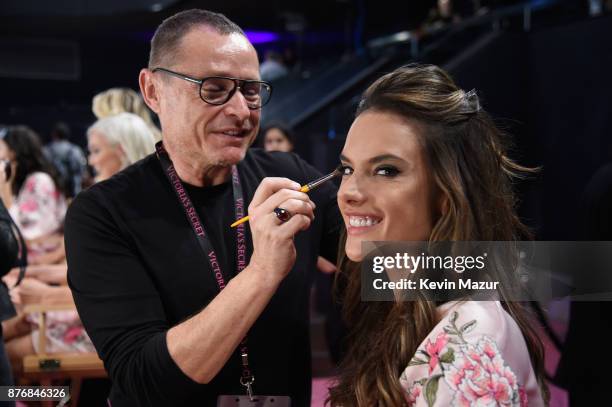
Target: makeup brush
(305,188)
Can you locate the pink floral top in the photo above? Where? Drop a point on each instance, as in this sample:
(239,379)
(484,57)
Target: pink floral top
(475,356)
(39,208)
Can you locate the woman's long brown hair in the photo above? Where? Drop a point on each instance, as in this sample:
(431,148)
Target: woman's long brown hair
(471,172)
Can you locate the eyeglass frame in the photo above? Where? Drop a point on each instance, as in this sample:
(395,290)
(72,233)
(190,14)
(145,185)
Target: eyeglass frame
(238,83)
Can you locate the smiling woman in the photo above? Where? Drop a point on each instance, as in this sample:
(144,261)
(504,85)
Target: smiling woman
(383,154)
(423,162)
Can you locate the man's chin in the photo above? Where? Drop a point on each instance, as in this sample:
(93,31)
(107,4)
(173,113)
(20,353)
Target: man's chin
(231,156)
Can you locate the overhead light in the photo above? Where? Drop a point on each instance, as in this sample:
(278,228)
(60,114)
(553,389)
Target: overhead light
(261,37)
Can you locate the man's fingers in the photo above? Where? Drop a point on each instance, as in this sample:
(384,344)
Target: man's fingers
(269,186)
(297,223)
(297,206)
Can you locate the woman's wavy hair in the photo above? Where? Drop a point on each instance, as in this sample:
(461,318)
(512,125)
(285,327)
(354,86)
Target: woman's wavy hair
(128,131)
(29,156)
(119,100)
(466,155)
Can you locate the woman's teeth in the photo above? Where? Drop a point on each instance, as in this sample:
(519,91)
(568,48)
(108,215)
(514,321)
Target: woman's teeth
(362,221)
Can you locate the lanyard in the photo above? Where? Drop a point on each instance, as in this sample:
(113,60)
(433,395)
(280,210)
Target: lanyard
(205,243)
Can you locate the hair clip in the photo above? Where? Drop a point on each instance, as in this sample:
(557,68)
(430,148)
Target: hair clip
(472,101)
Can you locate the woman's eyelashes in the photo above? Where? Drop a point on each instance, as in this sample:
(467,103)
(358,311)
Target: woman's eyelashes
(387,171)
(345,170)
(383,170)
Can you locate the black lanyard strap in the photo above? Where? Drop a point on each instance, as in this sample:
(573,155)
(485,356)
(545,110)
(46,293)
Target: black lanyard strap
(206,245)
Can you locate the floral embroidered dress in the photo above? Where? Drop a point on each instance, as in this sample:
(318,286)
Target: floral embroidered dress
(39,211)
(475,356)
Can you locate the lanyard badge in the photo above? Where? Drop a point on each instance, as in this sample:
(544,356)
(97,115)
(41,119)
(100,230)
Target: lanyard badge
(247,379)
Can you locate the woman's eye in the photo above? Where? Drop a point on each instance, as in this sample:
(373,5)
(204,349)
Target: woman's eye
(345,170)
(387,171)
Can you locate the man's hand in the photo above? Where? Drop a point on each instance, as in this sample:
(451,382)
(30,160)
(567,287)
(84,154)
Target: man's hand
(273,248)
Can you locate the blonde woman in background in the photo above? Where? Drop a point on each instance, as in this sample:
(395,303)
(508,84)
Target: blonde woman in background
(119,100)
(114,142)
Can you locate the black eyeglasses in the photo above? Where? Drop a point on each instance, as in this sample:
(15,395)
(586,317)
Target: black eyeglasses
(217,90)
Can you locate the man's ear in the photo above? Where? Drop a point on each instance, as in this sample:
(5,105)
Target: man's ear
(149,89)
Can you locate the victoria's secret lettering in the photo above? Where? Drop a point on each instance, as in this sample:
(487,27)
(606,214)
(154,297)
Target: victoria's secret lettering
(182,195)
(205,243)
(212,257)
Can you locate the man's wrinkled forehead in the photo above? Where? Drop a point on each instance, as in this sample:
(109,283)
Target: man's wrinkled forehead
(206,41)
(204,51)
(210,39)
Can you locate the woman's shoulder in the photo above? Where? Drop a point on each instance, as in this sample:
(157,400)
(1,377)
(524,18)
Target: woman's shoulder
(476,353)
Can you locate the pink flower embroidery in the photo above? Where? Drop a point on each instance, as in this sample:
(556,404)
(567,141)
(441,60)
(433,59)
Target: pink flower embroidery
(479,376)
(523,397)
(434,349)
(72,334)
(412,394)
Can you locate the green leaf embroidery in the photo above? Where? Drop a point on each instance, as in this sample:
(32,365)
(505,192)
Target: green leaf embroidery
(453,317)
(416,361)
(431,388)
(468,327)
(422,381)
(448,357)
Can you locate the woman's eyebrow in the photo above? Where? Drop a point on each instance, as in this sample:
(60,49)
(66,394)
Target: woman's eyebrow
(375,159)
(384,157)
(344,158)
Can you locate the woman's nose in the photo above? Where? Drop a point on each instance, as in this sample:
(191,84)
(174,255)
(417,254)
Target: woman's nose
(351,190)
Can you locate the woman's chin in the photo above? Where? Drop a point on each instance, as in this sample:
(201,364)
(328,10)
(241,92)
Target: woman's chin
(354,253)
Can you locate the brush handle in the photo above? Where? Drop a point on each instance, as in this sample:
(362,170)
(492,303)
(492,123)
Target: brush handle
(305,188)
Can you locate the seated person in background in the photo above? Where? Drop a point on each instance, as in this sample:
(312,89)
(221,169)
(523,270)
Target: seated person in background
(68,158)
(114,143)
(423,162)
(272,67)
(119,100)
(33,195)
(277,137)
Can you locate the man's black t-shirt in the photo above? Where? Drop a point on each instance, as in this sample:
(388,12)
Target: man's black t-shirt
(135,269)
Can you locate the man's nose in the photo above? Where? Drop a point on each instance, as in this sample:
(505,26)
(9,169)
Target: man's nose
(237,106)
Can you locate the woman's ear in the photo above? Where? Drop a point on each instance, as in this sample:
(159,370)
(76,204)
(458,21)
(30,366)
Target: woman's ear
(124,157)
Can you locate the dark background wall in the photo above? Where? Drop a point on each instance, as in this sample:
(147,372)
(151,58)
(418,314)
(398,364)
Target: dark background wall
(550,89)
